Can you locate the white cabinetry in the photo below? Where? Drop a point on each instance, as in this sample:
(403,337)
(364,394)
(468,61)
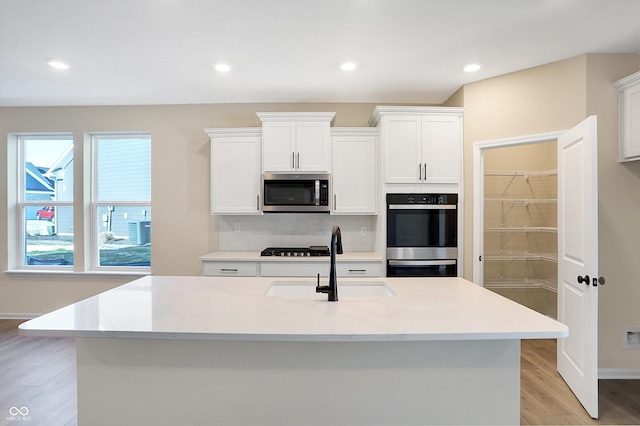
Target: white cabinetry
(354,170)
(300,268)
(296,142)
(629,117)
(229,269)
(422,145)
(248,264)
(235,170)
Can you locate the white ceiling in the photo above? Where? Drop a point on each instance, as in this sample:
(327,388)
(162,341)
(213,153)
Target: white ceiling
(407,51)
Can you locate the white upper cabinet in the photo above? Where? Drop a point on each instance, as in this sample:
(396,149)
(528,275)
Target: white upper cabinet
(296,142)
(629,117)
(354,170)
(235,170)
(422,145)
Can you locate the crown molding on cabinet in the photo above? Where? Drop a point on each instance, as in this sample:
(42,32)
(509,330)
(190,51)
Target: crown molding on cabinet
(237,131)
(627,81)
(379,111)
(298,116)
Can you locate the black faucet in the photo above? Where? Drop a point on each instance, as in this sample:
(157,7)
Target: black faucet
(335,248)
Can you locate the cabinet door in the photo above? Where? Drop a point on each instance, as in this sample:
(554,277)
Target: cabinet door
(354,175)
(402,147)
(298,268)
(630,124)
(359,269)
(229,269)
(278,146)
(441,149)
(235,175)
(313,147)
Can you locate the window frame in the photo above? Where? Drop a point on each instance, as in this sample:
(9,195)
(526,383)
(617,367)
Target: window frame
(86,250)
(22,203)
(95,204)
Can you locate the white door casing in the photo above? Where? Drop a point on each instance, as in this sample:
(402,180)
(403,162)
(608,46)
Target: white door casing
(478,189)
(578,257)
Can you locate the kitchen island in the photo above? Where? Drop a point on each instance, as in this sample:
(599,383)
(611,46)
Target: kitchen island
(217,350)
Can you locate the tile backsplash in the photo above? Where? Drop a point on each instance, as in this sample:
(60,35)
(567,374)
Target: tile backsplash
(254,233)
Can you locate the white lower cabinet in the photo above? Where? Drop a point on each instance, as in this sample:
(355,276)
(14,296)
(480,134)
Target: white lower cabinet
(231,269)
(312,269)
(359,269)
(294,268)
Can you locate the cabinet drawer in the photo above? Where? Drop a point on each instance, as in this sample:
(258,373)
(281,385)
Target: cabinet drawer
(294,269)
(357,269)
(232,269)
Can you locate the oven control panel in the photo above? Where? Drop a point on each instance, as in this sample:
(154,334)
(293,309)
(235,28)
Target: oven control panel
(422,199)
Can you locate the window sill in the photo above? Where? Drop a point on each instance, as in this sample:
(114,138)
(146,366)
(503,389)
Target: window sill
(71,273)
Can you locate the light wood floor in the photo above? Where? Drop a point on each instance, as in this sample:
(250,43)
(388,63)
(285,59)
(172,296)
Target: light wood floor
(39,373)
(546,399)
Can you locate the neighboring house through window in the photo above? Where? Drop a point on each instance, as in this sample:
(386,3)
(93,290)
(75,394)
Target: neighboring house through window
(121,200)
(45,202)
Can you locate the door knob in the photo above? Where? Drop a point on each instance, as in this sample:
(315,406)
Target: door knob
(584,279)
(601,280)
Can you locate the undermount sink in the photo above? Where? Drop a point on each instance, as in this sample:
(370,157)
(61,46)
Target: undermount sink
(345,289)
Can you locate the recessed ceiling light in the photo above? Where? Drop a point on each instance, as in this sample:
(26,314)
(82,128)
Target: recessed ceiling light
(472,67)
(222,67)
(348,66)
(57,64)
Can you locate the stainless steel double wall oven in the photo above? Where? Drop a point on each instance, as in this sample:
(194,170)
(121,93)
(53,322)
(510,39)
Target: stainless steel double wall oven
(422,235)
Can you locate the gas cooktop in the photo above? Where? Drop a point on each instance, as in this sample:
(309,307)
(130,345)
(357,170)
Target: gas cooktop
(296,251)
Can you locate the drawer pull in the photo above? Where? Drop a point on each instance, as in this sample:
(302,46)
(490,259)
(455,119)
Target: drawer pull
(228,270)
(357,270)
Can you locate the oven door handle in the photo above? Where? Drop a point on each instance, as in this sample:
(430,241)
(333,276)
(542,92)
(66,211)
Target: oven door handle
(422,207)
(421,262)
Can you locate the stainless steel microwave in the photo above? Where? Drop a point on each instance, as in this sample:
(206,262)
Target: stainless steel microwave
(295,193)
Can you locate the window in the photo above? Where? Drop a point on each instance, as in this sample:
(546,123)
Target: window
(121,200)
(116,206)
(45,200)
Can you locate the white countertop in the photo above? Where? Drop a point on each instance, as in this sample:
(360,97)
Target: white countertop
(222,308)
(254,256)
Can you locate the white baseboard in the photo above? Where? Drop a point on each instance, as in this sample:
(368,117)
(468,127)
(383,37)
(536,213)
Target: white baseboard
(18,316)
(618,373)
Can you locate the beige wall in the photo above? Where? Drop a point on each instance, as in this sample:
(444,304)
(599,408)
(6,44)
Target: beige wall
(618,213)
(182,229)
(556,97)
(541,156)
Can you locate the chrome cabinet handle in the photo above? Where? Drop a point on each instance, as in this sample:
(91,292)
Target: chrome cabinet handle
(298,160)
(420,171)
(228,270)
(425,171)
(335,203)
(258,202)
(357,270)
(293,160)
